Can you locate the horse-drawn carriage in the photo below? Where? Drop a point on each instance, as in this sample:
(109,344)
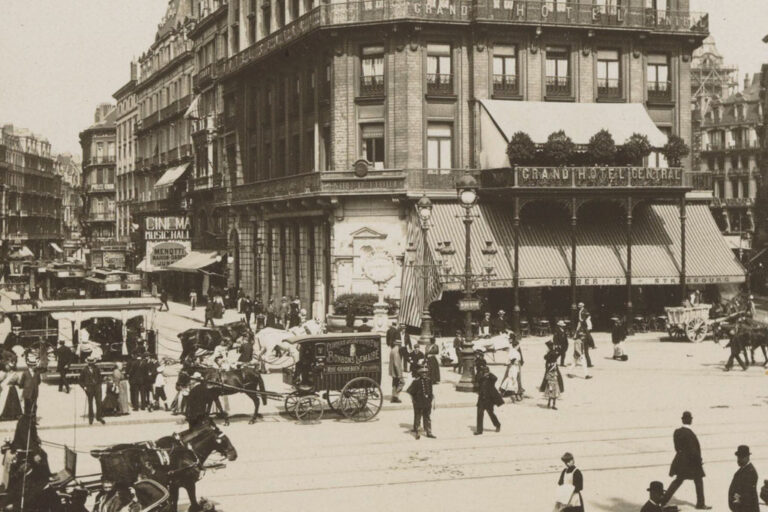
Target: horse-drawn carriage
(694,322)
(342,369)
(202,340)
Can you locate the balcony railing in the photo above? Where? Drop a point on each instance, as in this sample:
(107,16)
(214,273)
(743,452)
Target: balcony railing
(205,76)
(700,180)
(516,12)
(372,85)
(715,146)
(101,216)
(440,84)
(101,187)
(559,86)
(659,91)
(107,159)
(505,86)
(608,88)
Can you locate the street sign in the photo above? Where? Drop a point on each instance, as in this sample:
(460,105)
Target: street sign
(469,305)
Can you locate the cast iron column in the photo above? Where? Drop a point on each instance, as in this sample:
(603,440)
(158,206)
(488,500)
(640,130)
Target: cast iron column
(467,381)
(426,318)
(515,271)
(574,309)
(628,315)
(682,249)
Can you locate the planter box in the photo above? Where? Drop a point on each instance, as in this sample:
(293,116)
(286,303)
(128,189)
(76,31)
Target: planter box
(338,323)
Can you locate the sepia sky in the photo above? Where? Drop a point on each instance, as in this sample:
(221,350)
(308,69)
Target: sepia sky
(62,57)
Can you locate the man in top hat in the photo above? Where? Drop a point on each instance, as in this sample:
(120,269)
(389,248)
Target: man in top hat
(560,339)
(499,324)
(655,496)
(742,494)
(687,464)
(90,380)
(197,401)
(422,397)
(30,387)
(392,334)
(64,357)
(396,369)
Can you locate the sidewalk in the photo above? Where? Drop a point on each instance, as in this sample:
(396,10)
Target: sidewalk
(198,315)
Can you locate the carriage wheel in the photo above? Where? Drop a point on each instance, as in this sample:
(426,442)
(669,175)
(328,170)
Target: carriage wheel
(361,399)
(334,400)
(309,409)
(291,402)
(696,330)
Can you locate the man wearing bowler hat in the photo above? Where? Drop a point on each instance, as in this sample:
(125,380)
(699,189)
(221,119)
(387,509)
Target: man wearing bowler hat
(742,494)
(422,396)
(687,464)
(560,338)
(655,496)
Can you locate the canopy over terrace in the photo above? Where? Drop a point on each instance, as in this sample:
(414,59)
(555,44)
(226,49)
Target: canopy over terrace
(545,258)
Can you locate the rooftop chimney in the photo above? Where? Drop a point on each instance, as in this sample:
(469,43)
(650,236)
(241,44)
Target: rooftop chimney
(746,81)
(134,73)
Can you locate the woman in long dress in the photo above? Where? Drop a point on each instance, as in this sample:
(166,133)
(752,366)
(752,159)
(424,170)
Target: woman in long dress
(433,365)
(570,484)
(12,408)
(110,406)
(509,385)
(552,384)
(124,400)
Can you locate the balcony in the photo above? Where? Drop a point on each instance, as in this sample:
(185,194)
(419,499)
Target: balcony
(608,89)
(101,187)
(101,217)
(372,86)
(505,86)
(700,180)
(206,182)
(715,146)
(440,84)
(659,92)
(99,160)
(206,76)
(519,12)
(559,87)
(159,205)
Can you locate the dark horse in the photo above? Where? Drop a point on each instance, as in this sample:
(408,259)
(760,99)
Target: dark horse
(246,379)
(174,461)
(193,340)
(753,335)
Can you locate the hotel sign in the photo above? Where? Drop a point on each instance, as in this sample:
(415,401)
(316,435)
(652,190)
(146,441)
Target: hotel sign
(599,281)
(598,177)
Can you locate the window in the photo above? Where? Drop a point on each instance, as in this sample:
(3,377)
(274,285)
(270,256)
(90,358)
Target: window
(439,146)
(656,158)
(558,72)
(608,74)
(372,71)
(373,144)
(266,17)
(658,78)
(439,71)
(505,71)
(280,6)
(659,13)
(607,6)
(294,9)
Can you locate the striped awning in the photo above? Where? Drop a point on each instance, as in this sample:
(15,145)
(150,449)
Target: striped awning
(601,253)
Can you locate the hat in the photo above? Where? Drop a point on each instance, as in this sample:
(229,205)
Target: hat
(90,359)
(743,451)
(197,375)
(687,414)
(560,323)
(656,486)
(567,457)
(502,312)
(751,297)
(423,369)
(581,304)
(478,351)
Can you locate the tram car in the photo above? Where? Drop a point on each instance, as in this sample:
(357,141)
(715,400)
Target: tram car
(342,369)
(106,283)
(63,280)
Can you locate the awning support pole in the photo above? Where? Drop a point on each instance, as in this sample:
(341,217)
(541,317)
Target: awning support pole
(574,309)
(516,270)
(682,249)
(628,316)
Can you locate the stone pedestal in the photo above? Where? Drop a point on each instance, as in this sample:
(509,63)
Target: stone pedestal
(380,317)
(467,357)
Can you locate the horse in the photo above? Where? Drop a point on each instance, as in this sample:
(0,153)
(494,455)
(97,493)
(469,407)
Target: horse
(220,382)
(195,340)
(174,461)
(754,336)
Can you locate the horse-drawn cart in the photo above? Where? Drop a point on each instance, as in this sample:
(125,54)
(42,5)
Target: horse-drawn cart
(694,323)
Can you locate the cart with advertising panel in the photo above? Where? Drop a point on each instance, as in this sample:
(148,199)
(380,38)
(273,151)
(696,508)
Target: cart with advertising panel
(344,370)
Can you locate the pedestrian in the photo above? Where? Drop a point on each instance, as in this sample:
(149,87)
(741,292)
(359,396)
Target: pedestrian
(749,307)
(618,335)
(159,389)
(487,397)
(687,464)
(285,313)
(392,334)
(499,325)
(655,496)
(193,299)
(516,344)
(433,365)
(364,327)
(149,374)
(405,348)
(416,360)
(209,313)
(579,359)
(121,380)
(458,341)
(64,357)
(12,407)
(736,344)
(422,397)
(163,300)
(246,352)
(271,314)
(396,370)
(742,494)
(293,312)
(560,339)
(570,484)
(552,383)
(258,313)
(247,307)
(585,328)
(197,402)
(485,324)
(30,387)
(90,380)
(509,384)
(133,372)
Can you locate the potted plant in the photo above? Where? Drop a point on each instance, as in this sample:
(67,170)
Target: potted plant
(351,308)
(521,150)
(675,150)
(559,149)
(634,150)
(601,149)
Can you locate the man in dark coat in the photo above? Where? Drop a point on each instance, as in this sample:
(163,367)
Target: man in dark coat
(392,334)
(148,369)
(246,352)
(687,464)
(422,396)
(487,397)
(133,371)
(30,388)
(499,324)
(416,358)
(405,346)
(737,342)
(90,380)
(197,402)
(560,339)
(247,308)
(655,496)
(64,357)
(742,494)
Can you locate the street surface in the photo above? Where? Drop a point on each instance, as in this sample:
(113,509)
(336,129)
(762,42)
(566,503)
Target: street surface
(618,425)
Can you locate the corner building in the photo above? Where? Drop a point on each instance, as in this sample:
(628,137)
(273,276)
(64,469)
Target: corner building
(337,117)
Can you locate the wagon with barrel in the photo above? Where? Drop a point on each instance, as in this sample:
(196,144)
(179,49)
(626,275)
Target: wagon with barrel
(340,370)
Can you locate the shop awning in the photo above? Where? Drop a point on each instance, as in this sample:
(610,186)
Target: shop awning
(56,247)
(500,119)
(195,261)
(601,255)
(170,176)
(145,266)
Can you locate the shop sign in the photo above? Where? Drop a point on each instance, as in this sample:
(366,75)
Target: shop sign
(469,305)
(168,227)
(162,254)
(114,259)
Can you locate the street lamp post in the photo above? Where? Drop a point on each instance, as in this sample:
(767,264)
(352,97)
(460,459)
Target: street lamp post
(424,209)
